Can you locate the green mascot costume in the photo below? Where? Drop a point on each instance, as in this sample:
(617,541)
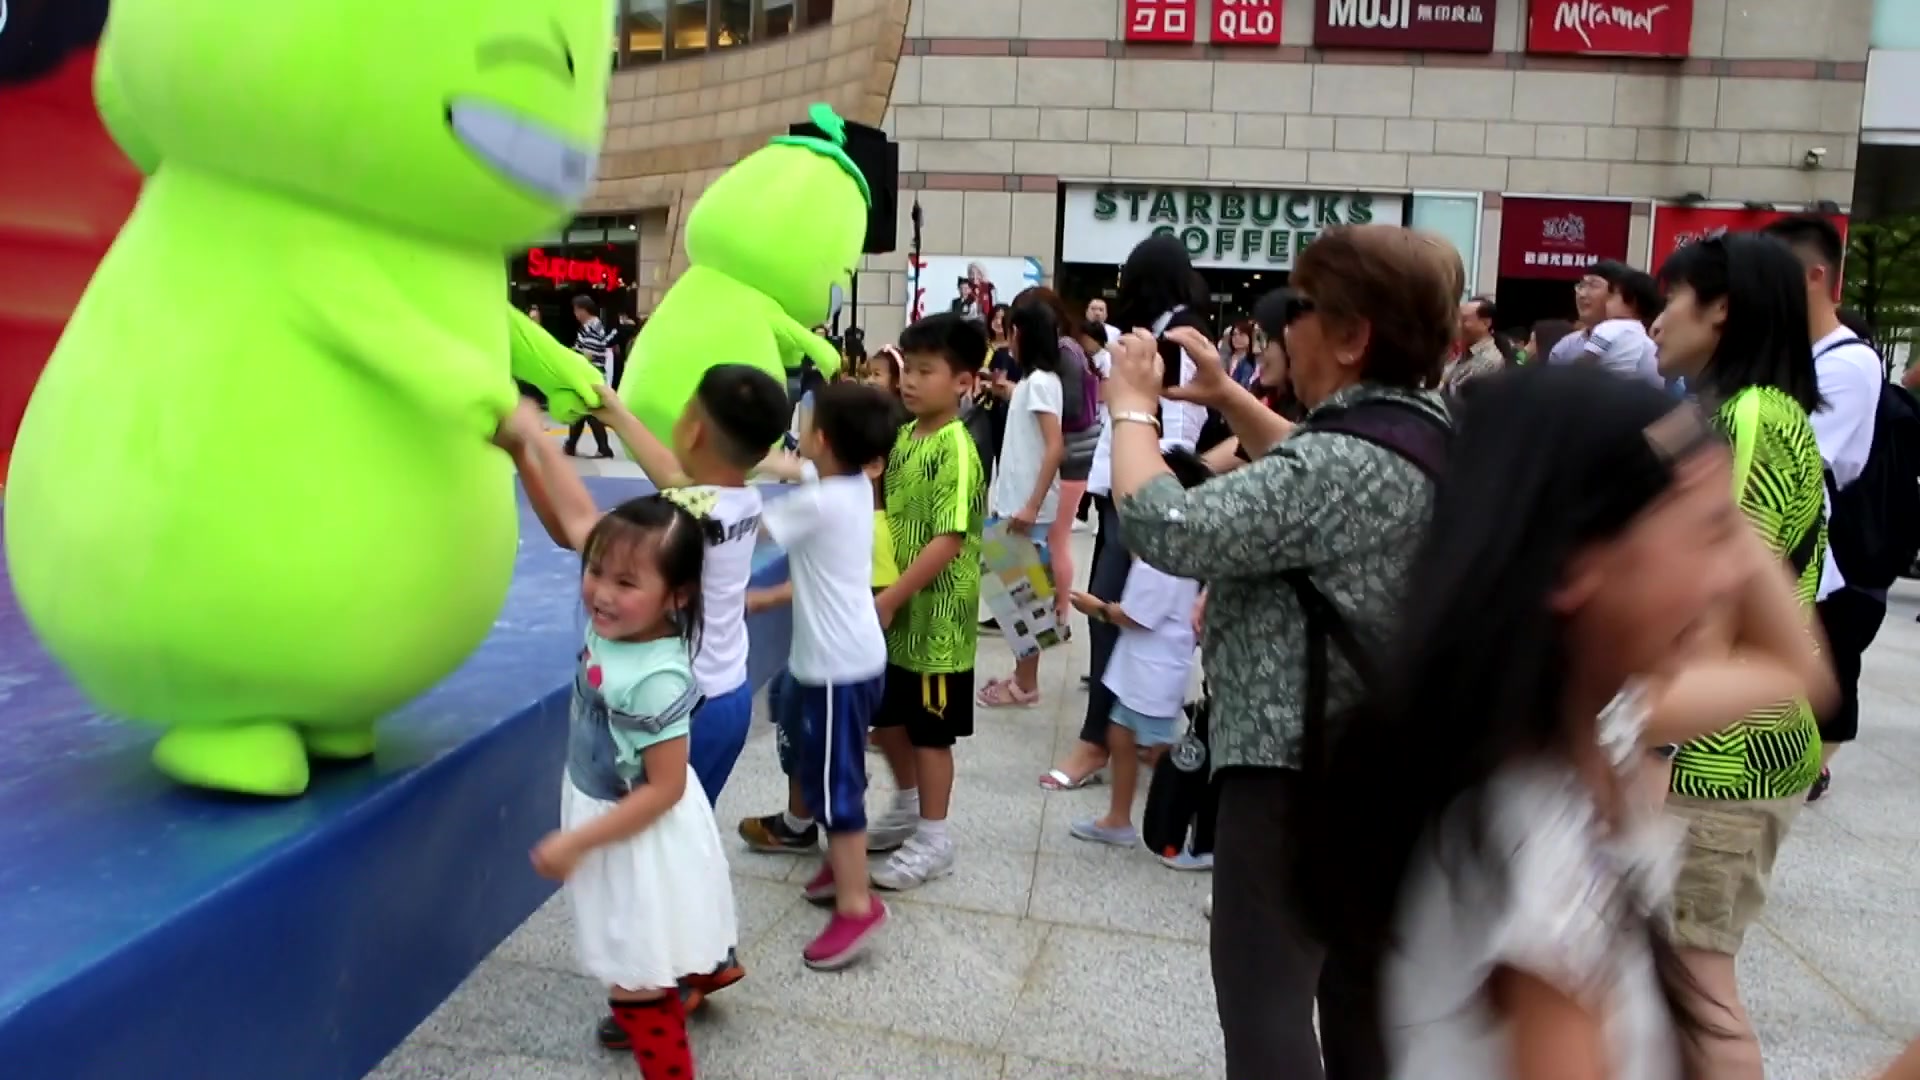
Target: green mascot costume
(254,499)
(771,248)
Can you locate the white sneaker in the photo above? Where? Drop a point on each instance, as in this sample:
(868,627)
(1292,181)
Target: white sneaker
(915,864)
(891,829)
(1207,907)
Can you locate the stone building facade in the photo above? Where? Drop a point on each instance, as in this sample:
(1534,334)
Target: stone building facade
(1034,134)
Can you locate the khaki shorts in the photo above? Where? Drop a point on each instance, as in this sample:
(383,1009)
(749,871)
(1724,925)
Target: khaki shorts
(1726,867)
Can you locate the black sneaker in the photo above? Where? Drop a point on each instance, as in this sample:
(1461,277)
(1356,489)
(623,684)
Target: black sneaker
(612,1036)
(1820,786)
(771,836)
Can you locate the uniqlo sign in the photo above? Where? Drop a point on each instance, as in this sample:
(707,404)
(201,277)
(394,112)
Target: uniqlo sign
(1160,20)
(1246,22)
(1610,27)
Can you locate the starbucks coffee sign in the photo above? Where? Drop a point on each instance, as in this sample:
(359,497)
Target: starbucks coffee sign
(1224,228)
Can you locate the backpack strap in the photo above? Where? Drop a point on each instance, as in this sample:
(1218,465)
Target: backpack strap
(1420,438)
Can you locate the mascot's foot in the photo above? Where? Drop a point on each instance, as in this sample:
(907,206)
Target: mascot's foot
(339,742)
(252,759)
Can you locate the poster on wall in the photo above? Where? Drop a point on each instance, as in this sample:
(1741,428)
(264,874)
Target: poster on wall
(1161,21)
(969,285)
(1660,28)
(1404,24)
(1225,228)
(1249,22)
(1674,227)
(1559,239)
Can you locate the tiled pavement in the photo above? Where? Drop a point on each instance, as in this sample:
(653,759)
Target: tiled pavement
(1042,958)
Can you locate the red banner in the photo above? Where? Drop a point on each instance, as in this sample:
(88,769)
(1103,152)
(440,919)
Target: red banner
(1558,239)
(1404,24)
(1248,22)
(1674,227)
(1610,27)
(1161,20)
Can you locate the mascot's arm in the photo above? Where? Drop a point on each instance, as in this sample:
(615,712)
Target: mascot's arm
(798,341)
(395,340)
(563,375)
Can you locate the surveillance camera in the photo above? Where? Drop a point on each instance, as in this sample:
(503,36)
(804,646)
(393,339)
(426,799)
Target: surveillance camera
(1814,157)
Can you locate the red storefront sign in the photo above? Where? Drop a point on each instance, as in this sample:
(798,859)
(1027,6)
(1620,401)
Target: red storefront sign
(1610,27)
(561,271)
(1161,20)
(1558,239)
(1247,22)
(1404,24)
(1674,227)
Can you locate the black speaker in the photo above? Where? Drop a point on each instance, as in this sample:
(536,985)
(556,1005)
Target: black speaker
(878,159)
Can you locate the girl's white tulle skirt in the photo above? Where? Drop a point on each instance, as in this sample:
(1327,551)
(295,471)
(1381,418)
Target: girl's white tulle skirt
(656,906)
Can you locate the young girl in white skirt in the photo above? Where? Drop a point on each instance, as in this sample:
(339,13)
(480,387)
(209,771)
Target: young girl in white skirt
(637,846)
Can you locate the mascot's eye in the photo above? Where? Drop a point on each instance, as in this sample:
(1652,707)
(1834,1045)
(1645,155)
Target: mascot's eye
(836,299)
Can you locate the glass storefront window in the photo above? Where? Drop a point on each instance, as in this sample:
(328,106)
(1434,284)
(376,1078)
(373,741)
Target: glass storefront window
(644,33)
(1456,216)
(596,257)
(819,12)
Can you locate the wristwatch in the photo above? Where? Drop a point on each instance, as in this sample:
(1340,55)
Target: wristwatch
(1135,417)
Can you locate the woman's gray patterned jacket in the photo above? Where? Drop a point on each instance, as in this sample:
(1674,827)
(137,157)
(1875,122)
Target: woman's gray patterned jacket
(1347,510)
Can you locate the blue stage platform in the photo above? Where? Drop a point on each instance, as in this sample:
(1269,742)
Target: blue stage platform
(149,931)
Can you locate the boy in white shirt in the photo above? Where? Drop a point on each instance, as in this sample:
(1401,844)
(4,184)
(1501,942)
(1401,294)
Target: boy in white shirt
(839,653)
(1148,675)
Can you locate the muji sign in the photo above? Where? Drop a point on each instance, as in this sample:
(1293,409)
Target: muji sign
(1404,24)
(1610,27)
(1246,22)
(561,270)
(1160,20)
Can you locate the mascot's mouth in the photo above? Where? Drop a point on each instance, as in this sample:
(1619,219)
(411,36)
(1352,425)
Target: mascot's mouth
(526,153)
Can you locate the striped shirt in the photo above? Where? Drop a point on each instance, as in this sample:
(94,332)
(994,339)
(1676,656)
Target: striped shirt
(595,342)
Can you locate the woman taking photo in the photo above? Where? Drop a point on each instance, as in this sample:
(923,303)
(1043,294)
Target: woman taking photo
(1338,512)
(1503,874)
(1735,328)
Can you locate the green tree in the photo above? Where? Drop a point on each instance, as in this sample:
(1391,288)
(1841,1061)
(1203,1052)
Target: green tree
(1883,274)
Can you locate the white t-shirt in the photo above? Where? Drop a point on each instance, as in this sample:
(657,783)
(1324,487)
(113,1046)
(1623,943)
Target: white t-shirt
(826,527)
(1569,909)
(721,664)
(1025,445)
(1180,422)
(1151,666)
(1623,347)
(1850,377)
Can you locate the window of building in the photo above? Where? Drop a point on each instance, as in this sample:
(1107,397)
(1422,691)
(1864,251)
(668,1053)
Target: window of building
(689,37)
(733,23)
(643,36)
(596,257)
(655,31)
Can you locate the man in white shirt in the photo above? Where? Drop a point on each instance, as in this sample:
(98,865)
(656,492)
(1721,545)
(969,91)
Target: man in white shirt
(1629,300)
(1851,377)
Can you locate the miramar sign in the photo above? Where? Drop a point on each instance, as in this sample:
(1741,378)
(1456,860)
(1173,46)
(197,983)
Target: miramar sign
(1610,27)
(1224,228)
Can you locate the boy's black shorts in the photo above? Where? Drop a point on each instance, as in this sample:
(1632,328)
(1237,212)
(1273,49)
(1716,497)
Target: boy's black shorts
(936,710)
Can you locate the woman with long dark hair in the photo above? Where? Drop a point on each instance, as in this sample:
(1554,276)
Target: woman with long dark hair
(1735,327)
(1482,842)
(1025,493)
(1159,292)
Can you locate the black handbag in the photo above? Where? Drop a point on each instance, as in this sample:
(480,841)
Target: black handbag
(1180,796)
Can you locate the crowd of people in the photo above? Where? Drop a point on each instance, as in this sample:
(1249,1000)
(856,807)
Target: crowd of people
(1519,663)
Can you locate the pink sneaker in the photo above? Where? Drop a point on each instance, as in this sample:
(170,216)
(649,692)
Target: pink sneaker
(819,889)
(845,939)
